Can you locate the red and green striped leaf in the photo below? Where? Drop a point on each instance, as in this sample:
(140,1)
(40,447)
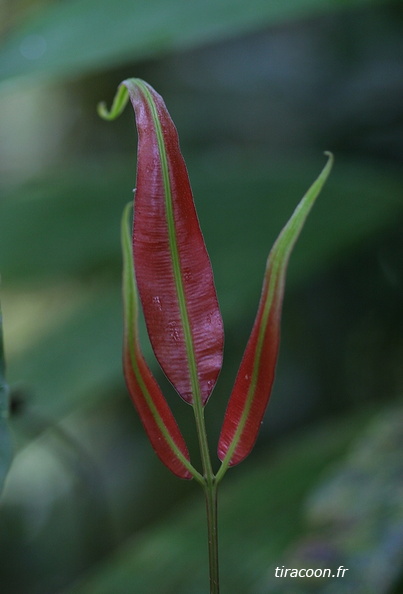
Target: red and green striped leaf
(173,270)
(155,414)
(252,388)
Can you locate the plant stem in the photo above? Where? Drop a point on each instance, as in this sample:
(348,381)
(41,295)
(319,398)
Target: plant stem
(210,491)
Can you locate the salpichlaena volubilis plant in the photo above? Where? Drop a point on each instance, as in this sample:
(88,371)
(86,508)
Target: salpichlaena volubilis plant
(167,269)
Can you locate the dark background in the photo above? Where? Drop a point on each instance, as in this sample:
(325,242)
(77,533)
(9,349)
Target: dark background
(258,91)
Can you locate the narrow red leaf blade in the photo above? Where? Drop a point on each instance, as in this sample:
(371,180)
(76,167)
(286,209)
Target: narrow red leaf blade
(252,388)
(173,270)
(155,414)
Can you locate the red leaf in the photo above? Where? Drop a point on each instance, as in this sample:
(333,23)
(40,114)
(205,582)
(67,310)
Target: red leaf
(253,384)
(149,416)
(155,414)
(173,270)
(240,401)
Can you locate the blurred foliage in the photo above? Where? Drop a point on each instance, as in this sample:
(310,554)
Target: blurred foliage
(5,441)
(260,513)
(354,518)
(258,91)
(57,41)
(347,521)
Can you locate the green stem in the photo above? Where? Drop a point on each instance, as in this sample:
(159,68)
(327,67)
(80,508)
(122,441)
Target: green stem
(210,492)
(208,483)
(198,410)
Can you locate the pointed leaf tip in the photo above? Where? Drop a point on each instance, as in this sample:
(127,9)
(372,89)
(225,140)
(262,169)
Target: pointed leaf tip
(252,388)
(155,414)
(173,270)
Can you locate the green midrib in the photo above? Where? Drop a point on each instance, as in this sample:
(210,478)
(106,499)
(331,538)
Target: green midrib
(277,262)
(175,259)
(131,309)
(173,246)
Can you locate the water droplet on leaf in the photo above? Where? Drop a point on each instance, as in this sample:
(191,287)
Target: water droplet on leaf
(157,302)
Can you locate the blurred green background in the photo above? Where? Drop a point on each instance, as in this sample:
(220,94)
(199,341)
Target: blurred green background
(258,90)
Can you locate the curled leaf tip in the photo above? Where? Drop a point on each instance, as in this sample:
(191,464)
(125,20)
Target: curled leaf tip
(119,103)
(173,269)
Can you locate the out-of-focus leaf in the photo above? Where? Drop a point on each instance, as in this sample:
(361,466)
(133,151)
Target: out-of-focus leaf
(5,443)
(66,225)
(78,36)
(77,361)
(260,513)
